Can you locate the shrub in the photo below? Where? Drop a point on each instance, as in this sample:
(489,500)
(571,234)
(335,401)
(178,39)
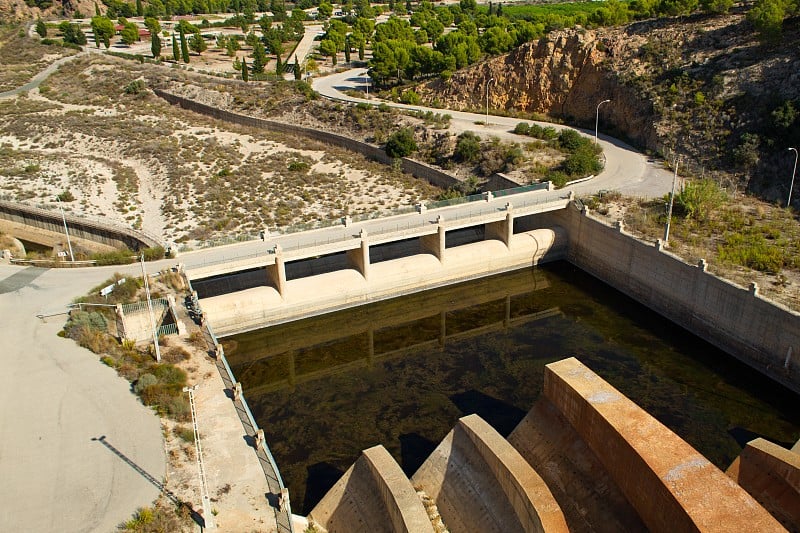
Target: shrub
(153,254)
(468,147)
(570,140)
(118,257)
(698,198)
(582,162)
(135,87)
(66,196)
(298,166)
(523,128)
(753,251)
(184,433)
(144,381)
(410,97)
(559,179)
(401,143)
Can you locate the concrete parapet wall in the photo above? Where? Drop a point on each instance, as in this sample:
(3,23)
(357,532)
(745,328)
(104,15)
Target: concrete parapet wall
(79,228)
(415,168)
(373,495)
(670,484)
(771,474)
(756,331)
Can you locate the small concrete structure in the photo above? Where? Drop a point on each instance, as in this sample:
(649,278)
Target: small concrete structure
(373,495)
(671,486)
(771,474)
(481,483)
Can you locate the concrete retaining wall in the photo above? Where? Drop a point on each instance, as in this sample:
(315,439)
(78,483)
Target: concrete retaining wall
(415,168)
(79,228)
(670,484)
(756,331)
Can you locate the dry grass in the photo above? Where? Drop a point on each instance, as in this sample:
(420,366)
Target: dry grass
(22,57)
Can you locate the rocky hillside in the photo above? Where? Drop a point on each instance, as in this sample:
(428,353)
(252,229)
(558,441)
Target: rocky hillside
(702,86)
(20,11)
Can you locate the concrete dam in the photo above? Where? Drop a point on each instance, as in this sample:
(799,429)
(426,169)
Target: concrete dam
(585,458)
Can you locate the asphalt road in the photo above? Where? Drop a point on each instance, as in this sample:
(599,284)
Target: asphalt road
(626,170)
(56,398)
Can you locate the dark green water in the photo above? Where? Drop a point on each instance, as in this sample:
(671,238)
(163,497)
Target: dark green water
(400,373)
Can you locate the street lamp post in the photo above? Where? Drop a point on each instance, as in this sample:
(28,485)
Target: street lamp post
(153,327)
(66,231)
(671,201)
(794,171)
(597,119)
(487,100)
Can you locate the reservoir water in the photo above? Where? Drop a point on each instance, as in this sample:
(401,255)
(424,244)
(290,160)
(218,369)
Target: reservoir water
(401,372)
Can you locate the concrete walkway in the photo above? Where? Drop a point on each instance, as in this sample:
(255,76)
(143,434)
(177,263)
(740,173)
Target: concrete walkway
(57,400)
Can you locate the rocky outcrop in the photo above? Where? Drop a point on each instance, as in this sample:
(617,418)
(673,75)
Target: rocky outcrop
(563,76)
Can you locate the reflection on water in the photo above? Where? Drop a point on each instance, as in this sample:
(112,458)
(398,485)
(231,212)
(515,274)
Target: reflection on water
(400,373)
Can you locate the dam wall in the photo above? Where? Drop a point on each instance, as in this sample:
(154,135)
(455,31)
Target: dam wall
(373,495)
(757,331)
(671,485)
(284,300)
(79,228)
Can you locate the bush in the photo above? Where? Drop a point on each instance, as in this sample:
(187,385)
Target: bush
(118,257)
(570,140)
(698,198)
(753,251)
(144,381)
(153,254)
(582,162)
(523,128)
(410,97)
(468,147)
(184,433)
(401,143)
(298,166)
(559,179)
(66,196)
(135,87)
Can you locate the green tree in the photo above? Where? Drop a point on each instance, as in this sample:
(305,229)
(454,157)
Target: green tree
(129,33)
(716,6)
(327,47)
(232,46)
(767,17)
(103,30)
(244,70)
(175,55)
(72,34)
(347,49)
(197,43)
(155,45)
(401,143)
(297,69)
(325,10)
(152,25)
(259,58)
(468,147)
(184,47)
(41,28)
(699,198)
(139,8)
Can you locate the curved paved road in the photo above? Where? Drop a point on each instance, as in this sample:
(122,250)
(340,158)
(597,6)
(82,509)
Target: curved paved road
(627,170)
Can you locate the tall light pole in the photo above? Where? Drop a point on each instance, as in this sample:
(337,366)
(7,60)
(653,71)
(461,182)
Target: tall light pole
(597,119)
(791,185)
(671,200)
(487,100)
(207,513)
(66,231)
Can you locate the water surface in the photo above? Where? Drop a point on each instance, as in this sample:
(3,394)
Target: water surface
(400,373)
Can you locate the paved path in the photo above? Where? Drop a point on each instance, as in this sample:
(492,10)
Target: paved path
(56,399)
(39,78)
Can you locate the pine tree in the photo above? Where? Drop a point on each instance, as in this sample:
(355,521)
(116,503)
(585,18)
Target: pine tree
(139,8)
(297,72)
(244,70)
(347,49)
(184,47)
(96,10)
(361,51)
(41,28)
(278,66)
(155,45)
(175,55)
(259,58)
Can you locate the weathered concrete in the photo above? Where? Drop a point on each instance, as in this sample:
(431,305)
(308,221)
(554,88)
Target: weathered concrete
(590,500)
(771,474)
(373,495)
(261,306)
(672,486)
(480,483)
(756,331)
(81,228)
